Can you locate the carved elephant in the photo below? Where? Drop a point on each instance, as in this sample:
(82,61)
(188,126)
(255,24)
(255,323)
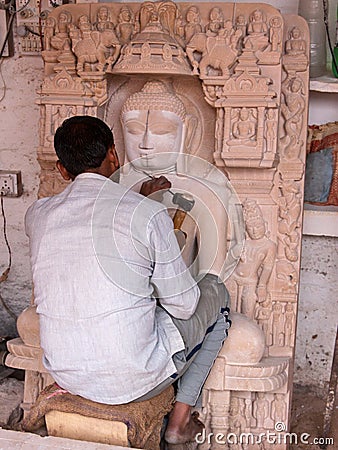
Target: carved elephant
(96,47)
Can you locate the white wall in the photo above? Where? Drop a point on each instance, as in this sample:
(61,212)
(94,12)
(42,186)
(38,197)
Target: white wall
(19,118)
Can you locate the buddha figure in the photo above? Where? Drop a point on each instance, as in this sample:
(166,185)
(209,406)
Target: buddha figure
(244,129)
(155,127)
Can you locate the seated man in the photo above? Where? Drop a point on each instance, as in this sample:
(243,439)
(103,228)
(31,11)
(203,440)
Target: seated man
(121,318)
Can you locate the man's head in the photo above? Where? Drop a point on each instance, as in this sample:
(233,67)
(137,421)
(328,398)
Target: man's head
(85,144)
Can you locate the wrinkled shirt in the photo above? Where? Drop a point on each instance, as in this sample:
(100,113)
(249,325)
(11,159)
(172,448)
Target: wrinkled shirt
(105,265)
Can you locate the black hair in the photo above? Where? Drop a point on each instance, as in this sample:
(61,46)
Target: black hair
(82,143)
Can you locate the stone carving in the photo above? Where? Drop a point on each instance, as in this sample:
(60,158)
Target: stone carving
(260,410)
(277,324)
(193,24)
(125,27)
(103,21)
(244,111)
(216,22)
(153,122)
(257,32)
(99,47)
(238,423)
(276,36)
(60,41)
(292,111)
(253,271)
(289,325)
(289,218)
(295,49)
(244,128)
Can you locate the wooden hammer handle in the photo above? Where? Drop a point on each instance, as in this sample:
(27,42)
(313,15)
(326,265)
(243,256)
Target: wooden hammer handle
(179,218)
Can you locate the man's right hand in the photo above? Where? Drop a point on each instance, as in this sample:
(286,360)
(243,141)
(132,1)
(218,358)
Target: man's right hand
(158,185)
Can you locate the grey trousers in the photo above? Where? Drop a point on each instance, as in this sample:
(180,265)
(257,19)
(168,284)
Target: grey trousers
(203,335)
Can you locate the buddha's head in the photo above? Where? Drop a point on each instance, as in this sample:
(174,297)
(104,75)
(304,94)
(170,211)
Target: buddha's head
(153,122)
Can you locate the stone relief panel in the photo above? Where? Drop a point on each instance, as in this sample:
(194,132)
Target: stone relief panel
(241,71)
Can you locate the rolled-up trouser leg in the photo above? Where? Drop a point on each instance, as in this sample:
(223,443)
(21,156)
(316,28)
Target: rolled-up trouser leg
(212,317)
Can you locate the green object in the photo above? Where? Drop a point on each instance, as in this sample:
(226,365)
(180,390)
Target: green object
(335,53)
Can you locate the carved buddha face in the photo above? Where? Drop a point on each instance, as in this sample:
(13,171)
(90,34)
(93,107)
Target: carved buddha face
(153,128)
(153,139)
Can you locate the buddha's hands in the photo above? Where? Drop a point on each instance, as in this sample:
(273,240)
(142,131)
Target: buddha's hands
(155,188)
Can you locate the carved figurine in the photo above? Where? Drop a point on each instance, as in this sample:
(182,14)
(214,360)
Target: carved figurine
(257,32)
(93,47)
(253,271)
(125,27)
(243,129)
(216,22)
(278,409)
(276,35)
(292,111)
(60,41)
(277,324)
(270,129)
(289,325)
(193,23)
(295,45)
(260,410)
(103,21)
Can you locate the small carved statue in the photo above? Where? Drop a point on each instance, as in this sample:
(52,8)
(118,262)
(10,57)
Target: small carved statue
(257,32)
(243,129)
(125,27)
(253,271)
(193,23)
(295,45)
(276,35)
(216,21)
(103,21)
(94,49)
(260,409)
(60,41)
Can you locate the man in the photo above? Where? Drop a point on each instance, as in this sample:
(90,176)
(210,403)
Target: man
(120,315)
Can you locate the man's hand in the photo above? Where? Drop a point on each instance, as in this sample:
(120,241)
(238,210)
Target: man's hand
(155,185)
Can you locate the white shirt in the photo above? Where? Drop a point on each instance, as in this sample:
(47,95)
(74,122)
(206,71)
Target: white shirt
(100,256)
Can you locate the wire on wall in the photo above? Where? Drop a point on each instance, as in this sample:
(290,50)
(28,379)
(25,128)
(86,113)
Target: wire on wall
(4,275)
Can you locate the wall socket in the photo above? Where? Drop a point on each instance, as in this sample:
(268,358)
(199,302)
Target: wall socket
(10,183)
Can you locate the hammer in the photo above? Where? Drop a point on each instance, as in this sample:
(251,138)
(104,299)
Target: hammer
(184,201)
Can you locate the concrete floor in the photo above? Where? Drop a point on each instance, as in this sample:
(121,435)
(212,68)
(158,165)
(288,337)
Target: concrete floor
(13,440)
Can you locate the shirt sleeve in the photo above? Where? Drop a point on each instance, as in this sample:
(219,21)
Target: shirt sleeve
(173,284)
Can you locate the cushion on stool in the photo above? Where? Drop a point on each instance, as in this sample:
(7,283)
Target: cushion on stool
(143,419)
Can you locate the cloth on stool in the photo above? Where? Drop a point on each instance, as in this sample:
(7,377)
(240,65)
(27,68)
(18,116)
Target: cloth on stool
(143,419)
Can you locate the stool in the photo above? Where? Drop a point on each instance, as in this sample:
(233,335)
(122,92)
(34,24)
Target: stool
(135,424)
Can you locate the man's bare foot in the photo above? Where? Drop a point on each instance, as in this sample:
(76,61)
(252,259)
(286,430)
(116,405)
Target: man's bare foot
(183,426)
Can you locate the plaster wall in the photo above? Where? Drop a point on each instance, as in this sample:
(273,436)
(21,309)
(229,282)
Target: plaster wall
(19,119)
(317,311)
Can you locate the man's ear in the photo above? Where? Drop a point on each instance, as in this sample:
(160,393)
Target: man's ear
(63,171)
(113,158)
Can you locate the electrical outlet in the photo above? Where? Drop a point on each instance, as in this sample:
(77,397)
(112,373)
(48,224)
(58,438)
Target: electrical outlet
(10,183)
